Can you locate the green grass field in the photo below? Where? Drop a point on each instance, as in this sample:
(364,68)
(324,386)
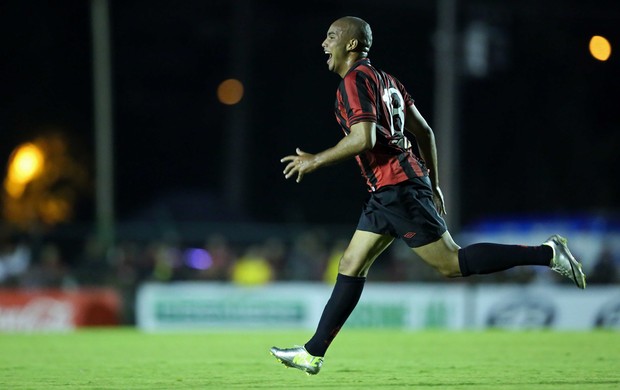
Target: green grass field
(129,359)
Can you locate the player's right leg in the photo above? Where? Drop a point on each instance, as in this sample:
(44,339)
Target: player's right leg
(563,261)
(485,258)
(441,255)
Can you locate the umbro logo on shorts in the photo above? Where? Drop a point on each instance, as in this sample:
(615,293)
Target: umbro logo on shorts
(409,235)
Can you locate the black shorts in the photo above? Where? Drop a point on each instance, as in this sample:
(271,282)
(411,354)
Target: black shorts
(404,211)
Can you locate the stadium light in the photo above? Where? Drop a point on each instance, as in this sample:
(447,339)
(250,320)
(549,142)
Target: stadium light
(26,164)
(600,48)
(230,91)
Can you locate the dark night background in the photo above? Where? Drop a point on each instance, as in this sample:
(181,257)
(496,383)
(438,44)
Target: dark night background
(537,135)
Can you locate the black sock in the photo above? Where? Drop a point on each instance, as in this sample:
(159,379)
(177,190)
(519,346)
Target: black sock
(489,258)
(344,298)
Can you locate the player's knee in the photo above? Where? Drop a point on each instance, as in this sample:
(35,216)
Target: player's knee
(352,266)
(449,269)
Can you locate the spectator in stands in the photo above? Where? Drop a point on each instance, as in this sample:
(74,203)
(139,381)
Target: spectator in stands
(222,257)
(48,270)
(307,254)
(275,251)
(252,268)
(92,267)
(15,257)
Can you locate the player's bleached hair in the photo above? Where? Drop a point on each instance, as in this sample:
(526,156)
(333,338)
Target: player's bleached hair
(360,30)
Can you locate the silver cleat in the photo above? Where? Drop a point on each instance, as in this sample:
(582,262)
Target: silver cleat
(563,261)
(298,357)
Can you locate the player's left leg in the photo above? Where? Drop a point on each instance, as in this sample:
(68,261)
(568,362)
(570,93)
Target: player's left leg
(362,251)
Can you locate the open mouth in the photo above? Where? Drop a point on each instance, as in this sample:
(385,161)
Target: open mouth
(329,56)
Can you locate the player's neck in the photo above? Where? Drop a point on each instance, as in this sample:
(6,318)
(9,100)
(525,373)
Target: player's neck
(352,58)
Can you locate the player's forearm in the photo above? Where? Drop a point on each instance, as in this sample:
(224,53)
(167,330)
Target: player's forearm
(361,138)
(428,152)
(347,148)
(425,138)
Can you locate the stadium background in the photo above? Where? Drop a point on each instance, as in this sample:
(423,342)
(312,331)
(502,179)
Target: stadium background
(198,184)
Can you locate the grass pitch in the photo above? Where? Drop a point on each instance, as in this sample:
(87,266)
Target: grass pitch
(378,359)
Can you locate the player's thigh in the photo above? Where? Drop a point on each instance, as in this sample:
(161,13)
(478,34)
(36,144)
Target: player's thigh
(362,251)
(441,255)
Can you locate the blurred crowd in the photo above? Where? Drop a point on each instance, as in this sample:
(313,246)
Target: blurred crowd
(311,256)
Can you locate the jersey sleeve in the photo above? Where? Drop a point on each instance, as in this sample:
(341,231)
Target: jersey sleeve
(360,90)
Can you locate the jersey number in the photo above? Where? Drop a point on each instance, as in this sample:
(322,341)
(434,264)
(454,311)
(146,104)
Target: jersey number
(396,105)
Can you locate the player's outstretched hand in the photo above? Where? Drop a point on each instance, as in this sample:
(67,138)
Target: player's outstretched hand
(298,165)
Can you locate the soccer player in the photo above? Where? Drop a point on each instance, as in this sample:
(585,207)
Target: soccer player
(374,110)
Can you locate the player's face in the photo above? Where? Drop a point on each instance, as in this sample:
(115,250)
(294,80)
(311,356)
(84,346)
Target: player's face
(334,46)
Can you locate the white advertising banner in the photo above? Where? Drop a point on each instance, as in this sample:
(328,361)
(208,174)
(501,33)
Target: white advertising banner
(553,307)
(197,305)
(409,306)
(211,305)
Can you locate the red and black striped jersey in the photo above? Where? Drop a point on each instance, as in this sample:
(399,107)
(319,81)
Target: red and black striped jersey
(367,94)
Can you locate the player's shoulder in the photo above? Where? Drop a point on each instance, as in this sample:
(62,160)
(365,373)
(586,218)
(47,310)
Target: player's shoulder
(361,71)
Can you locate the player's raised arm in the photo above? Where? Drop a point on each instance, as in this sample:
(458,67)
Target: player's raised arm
(361,138)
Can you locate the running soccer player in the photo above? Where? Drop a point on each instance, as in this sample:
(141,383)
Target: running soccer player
(374,110)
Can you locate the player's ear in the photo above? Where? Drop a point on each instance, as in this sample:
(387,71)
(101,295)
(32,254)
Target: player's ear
(352,45)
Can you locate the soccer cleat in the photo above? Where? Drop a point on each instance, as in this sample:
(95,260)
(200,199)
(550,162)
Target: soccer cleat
(298,357)
(563,261)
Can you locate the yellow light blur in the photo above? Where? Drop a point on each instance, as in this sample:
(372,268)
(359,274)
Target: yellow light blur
(251,271)
(25,164)
(600,48)
(230,91)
